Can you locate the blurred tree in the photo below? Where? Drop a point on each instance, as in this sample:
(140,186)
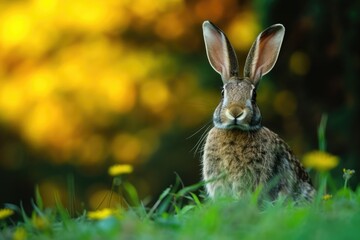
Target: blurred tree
(84,85)
(320,64)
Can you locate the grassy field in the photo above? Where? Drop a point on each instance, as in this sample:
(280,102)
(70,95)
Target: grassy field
(184,213)
(179,214)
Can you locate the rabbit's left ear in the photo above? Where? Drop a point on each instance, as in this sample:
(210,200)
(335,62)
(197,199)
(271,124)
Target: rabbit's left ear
(264,53)
(220,53)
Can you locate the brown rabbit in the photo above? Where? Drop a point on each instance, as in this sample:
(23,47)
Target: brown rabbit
(239,153)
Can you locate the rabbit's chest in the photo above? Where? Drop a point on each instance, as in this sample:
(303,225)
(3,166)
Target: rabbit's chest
(241,158)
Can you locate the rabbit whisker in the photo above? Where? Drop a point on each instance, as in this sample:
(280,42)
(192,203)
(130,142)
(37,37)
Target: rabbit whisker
(202,138)
(197,131)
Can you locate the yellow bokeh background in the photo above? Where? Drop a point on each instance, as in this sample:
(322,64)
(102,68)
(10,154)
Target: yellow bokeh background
(94,83)
(68,69)
(89,84)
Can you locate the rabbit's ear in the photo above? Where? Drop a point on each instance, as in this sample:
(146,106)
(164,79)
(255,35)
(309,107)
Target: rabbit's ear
(220,53)
(264,53)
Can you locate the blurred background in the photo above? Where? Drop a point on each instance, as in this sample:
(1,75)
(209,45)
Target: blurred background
(88,84)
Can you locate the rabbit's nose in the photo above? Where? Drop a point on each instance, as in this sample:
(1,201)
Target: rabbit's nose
(234,113)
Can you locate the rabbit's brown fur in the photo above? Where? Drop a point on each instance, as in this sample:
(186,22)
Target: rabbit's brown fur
(239,153)
(244,160)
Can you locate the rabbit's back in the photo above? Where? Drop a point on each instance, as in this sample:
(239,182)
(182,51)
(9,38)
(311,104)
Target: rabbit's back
(239,161)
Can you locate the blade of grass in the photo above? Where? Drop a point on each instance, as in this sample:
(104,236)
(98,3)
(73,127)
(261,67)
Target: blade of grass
(132,194)
(134,199)
(24,216)
(166,203)
(196,200)
(72,197)
(190,188)
(63,212)
(38,198)
(321,132)
(163,195)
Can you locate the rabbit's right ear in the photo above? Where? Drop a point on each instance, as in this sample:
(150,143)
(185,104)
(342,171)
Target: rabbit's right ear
(219,51)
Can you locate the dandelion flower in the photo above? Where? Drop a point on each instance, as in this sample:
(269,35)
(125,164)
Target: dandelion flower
(119,169)
(19,234)
(347,175)
(321,161)
(100,214)
(5,213)
(327,197)
(39,222)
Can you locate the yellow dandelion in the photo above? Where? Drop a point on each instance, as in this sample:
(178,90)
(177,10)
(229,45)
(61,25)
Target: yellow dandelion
(19,234)
(321,161)
(100,214)
(5,213)
(119,169)
(39,222)
(327,197)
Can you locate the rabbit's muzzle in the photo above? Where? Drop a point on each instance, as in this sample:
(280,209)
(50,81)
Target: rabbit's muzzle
(235,115)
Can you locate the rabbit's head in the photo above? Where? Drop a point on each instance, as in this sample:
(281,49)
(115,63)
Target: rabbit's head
(238,108)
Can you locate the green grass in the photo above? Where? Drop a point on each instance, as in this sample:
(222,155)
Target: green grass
(179,214)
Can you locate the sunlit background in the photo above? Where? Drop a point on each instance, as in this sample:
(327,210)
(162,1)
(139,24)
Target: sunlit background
(88,84)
